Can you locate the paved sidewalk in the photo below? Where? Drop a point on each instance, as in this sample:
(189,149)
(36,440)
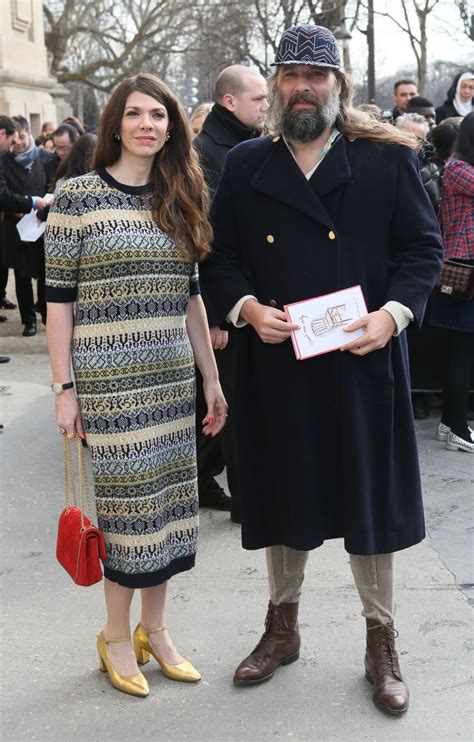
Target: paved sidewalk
(53,691)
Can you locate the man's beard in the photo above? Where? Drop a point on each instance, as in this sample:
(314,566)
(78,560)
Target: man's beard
(305,125)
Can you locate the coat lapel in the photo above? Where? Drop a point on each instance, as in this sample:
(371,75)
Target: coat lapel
(334,170)
(280,178)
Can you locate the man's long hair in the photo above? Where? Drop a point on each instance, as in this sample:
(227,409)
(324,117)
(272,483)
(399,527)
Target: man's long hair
(354,124)
(180,200)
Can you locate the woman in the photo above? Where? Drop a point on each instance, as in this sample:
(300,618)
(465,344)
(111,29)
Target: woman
(28,170)
(78,162)
(122,243)
(460,97)
(455,315)
(197,118)
(443,138)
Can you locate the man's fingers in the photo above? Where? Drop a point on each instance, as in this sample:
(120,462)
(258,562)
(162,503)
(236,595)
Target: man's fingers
(283,323)
(357,343)
(362,351)
(362,322)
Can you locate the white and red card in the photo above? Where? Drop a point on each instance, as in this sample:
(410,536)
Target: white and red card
(322,321)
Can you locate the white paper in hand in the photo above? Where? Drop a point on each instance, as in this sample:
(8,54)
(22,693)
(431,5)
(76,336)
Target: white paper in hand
(322,320)
(30,228)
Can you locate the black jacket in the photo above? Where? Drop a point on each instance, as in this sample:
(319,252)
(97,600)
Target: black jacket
(17,203)
(221,132)
(341,424)
(23,256)
(445,111)
(430,175)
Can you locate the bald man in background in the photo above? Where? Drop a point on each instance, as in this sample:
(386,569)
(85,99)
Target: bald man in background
(238,114)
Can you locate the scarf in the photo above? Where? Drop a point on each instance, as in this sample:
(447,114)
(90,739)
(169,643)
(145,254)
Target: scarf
(27,158)
(462,107)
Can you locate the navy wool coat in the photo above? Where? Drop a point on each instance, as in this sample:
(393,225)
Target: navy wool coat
(327,445)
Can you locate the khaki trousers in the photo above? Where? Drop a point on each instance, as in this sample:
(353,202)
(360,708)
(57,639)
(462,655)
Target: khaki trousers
(373,576)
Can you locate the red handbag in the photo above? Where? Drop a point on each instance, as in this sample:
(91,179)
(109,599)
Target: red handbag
(80,545)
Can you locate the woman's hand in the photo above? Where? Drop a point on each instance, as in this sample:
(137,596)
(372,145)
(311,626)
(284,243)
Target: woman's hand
(216,409)
(68,416)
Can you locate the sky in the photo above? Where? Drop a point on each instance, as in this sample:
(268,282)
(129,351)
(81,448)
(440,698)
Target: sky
(446,40)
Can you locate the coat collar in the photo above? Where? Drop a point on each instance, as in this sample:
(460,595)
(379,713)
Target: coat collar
(225,129)
(280,178)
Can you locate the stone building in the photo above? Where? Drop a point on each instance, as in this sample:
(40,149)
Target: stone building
(26,87)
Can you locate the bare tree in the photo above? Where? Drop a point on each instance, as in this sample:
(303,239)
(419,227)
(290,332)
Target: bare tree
(466,11)
(417,33)
(251,29)
(272,18)
(98,43)
(186,41)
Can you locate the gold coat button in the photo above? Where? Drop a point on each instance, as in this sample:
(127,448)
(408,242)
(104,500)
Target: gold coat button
(270,239)
(276,139)
(273,303)
(331,235)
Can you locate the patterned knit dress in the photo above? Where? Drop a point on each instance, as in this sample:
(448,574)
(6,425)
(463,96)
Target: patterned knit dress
(134,371)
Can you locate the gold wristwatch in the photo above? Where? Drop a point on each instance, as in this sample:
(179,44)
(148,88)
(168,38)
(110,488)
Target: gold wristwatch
(59,388)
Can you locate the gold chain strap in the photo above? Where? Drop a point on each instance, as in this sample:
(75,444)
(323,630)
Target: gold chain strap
(69,479)
(84,486)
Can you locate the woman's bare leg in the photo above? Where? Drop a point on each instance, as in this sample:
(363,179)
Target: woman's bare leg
(154,616)
(118,600)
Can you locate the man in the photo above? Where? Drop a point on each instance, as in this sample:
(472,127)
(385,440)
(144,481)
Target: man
(417,124)
(327,445)
(403,91)
(64,138)
(9,200)
(46,130)
(423,342)
(423,107)
(28,169)
(237,115)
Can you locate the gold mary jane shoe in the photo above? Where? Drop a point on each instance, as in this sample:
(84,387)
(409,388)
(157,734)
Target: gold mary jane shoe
(183,672)
(134,685)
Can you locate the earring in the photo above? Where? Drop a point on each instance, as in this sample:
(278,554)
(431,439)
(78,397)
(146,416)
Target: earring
(117,136)
(167,137)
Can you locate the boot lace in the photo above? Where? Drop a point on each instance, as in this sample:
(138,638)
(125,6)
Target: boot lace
(274,621)
(386,643)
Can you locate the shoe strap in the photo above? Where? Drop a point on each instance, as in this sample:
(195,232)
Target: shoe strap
(155,631)
(117,641)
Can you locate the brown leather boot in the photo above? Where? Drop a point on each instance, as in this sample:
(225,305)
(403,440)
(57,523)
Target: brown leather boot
(382,668)
(279,645)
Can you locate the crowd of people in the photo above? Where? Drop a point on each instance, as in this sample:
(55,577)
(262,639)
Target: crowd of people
(172,373)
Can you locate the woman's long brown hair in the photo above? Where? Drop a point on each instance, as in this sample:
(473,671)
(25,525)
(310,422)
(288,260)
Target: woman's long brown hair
(180,200)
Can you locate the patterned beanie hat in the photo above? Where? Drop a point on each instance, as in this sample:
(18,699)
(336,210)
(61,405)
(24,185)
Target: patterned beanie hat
(308,44)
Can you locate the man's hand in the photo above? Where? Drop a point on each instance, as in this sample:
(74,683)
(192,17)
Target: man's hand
(270,324)
(379,328)
(41,202)
(219,338)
